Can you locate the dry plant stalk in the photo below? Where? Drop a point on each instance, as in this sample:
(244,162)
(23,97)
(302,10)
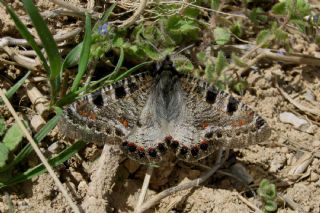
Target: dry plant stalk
(102,180)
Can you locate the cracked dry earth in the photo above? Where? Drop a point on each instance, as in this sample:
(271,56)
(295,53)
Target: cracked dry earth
(290,159)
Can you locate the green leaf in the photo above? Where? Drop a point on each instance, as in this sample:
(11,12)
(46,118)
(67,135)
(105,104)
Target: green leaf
(13,137)
(46,38)
(270,206)
(221,63)
(118,42)
(257,15)
(84,56)
(263,36)
(237,29)
(302,8)
(238,61)
(151,52)
(17,85)
(2,126)
(209,70)
(241,86)
(44,131)
(191,12)
(267,190)
(4,154)
(183,64)
(215,4)
(55,161)
(73,57)
(68,98)
(281,35)
(221,35)
(279,8)
(181,29)
(201,56)
(300,23)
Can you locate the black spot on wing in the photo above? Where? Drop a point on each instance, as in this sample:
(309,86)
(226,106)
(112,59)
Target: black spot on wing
(199,89)
(152,152)
(120,92)
(184,150)
(211,95)
(194,151)
(133,87)
(232,105)
(97,99)
(259,122)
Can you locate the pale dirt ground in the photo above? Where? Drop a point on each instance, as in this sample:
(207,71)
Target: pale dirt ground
(272,159)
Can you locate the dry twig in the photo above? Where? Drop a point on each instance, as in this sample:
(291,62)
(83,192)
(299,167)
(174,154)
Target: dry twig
(248,203)
(136,14)
(9,41)
(153,201)
(301,107)
(102,180)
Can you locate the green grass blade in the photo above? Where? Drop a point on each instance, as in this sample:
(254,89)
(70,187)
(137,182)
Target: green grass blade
(115,72)
(44,131)
(15,87)
(84,57)
(46,38)
(69,98)
(130,71)
(37,170)
(27,35)
(104,17)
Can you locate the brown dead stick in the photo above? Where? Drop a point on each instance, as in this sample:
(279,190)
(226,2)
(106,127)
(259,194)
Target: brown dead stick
(102,180)
(136,15)
(153,201)
(21,60)
(9,41)
(301,107)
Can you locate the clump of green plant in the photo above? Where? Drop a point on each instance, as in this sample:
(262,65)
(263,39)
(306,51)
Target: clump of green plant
(267,191)
(10,139)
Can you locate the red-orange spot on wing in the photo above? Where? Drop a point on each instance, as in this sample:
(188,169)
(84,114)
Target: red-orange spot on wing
(140,149)
(90,115)
(83,110)
(204,125)
(239,123)
(124,122)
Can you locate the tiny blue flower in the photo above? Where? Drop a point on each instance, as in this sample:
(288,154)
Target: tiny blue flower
(103,29)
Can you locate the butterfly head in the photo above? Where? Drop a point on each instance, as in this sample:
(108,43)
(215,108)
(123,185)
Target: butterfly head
(166,67)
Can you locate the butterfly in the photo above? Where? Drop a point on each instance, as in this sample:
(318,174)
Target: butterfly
(156,112)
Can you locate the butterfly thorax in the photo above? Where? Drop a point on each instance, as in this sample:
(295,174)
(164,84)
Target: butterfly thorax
(167,97)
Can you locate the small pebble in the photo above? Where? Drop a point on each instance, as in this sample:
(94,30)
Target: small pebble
(316,144)
(309,96)
(298,123)
(314,177)
(54,147)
